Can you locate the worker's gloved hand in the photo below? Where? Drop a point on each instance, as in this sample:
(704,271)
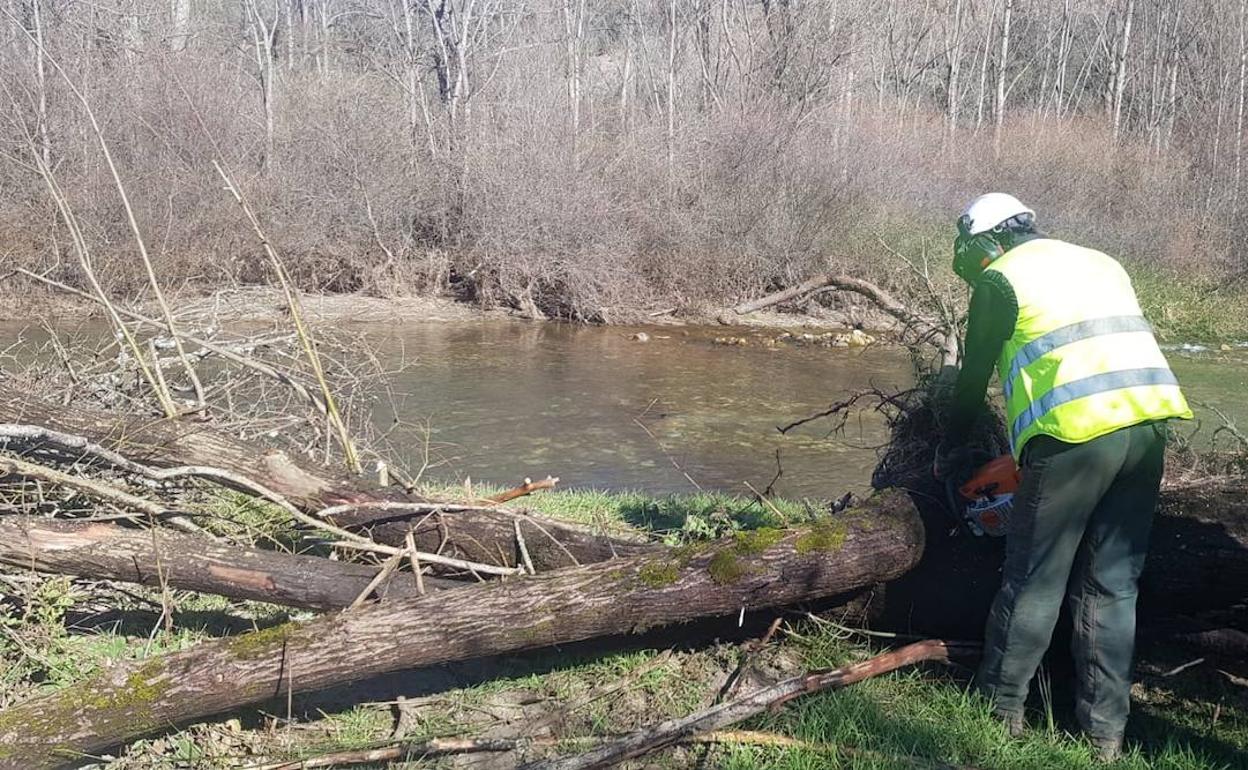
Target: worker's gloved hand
(950,461)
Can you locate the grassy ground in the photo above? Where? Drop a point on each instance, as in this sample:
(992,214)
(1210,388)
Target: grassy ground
(1192,309)
(61,630)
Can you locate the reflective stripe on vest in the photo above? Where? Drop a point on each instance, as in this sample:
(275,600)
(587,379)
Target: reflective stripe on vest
(1057,338)
(1090,386)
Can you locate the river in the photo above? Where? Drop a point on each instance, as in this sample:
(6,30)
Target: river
(597,408)
(498,401)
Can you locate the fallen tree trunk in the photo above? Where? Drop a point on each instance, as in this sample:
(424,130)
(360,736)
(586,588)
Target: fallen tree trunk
(752,570)
(186,562)
(479,535)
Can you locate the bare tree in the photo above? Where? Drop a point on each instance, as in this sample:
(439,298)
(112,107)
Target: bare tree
(1118,71)
(1003,61)
(180,28)
(953,66)
(264,42)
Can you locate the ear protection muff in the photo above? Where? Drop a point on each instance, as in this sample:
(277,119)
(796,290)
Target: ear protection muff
(973,253)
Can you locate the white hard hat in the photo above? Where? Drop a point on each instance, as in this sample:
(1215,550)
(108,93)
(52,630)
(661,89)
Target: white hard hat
(988,211)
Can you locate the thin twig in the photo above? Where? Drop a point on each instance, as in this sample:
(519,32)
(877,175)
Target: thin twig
(668,455)
(524,551)
(296,313)
(130,219)
(386,569)
(415,559)
(433,558)
(166,598)
(763,499)
(553,539)
(1179,669)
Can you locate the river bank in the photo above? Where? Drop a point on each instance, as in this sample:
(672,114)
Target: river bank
(1183,308)
(265,304)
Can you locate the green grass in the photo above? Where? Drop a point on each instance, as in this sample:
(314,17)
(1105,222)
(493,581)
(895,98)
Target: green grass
(930,716)
(911,718)
(1186,308)
(676,517)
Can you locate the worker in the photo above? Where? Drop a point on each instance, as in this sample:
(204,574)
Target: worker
(1088,395)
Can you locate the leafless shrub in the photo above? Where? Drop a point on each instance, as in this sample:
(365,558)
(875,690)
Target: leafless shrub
(574,160)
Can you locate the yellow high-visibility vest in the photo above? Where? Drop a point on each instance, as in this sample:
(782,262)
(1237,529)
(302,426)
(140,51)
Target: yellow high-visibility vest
(1082,362)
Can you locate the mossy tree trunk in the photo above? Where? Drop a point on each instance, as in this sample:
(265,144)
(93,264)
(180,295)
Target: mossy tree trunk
(753,570)
(186,562)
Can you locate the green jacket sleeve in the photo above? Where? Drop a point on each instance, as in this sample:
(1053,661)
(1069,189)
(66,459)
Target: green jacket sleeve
(993,315)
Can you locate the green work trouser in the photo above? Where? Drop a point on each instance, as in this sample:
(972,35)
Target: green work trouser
(1079,529)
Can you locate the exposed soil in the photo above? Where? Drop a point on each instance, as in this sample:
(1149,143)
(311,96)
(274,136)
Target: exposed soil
(263,304)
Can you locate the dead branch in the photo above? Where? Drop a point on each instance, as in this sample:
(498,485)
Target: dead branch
(527,488)
(95,489)
(672,731)
(304,334)
(223,351)
(920,326)
(228,478)
(411,752)
(458,746)
(142,445)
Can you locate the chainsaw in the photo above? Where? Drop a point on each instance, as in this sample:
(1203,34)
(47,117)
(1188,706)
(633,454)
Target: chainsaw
(982,502)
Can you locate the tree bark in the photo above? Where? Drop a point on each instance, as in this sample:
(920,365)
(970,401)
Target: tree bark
(1120,67)
(1002,66)
(481,536)
(842,554)
(185,562)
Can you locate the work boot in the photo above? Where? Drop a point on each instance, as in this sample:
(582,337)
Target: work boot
(1014,723)
(1107,749)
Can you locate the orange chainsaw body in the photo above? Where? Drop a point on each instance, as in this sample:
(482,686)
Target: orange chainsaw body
(998,477)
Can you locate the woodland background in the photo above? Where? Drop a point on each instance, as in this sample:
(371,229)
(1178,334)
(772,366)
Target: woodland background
(573,157)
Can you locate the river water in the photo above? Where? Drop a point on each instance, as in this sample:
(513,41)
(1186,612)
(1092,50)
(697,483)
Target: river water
(598,408)
(499,401)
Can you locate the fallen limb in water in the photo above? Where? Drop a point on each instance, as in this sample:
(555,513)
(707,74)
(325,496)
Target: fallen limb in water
(764,568)
(923,328)
(188,562)
(722,715)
